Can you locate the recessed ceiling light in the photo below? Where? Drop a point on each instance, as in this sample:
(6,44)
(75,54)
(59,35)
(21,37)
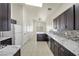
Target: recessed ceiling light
(49,8)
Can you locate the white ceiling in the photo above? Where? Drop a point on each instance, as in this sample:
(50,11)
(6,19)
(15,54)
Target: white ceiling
(51,5)
(54,6)
(45,12)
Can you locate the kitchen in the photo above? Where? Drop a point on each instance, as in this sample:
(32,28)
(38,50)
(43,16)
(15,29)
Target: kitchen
(50,30)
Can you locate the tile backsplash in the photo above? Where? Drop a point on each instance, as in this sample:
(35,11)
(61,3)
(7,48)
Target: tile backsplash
(7,34)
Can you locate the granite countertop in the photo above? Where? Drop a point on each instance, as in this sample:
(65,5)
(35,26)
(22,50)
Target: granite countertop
(69,44)
(40,33)
(9,50)
(4,38)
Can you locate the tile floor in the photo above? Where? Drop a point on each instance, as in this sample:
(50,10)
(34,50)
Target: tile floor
(36,49)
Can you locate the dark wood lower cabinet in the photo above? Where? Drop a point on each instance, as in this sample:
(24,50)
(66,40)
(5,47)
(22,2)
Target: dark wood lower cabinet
(59,50)
(42,37)
(64,52)
(18,53)
(56,48)
(7,42)
(51,44)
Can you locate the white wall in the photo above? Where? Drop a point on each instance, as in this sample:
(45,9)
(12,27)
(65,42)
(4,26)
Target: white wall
(30,13)
(25,15)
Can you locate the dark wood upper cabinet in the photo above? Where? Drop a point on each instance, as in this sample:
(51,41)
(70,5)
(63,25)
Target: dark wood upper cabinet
(58,23)
(62,18)
(55,23)
(77,16)
(65,21)
(5,17)
(69,19)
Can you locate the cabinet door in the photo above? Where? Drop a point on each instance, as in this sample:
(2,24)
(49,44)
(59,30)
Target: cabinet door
(56,48)
(62,22)
(69,19)
(8,16)
(45,36)
(58,23)
(4,17)
(52,45)
(1,17)
(39,37)
(68,53)
(77,16)
(42,37)
(55,23)
(64,52)
(61,51)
